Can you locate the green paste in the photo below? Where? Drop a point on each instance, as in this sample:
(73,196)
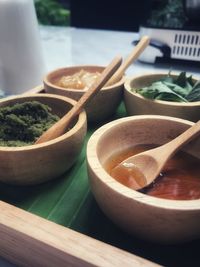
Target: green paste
(22,123)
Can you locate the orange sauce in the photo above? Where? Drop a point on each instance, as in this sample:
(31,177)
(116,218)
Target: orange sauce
(179,180)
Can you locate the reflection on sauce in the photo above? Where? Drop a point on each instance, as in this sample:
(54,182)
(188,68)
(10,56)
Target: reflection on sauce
(131,174)
(180,178)
(79,80)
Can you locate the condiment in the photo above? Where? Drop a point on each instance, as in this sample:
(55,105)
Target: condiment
(179,89)
(79,80)
(179,180)
(22,123)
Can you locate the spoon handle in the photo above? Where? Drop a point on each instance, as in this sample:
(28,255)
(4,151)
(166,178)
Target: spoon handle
(181,140)
(138,49)
(60,127)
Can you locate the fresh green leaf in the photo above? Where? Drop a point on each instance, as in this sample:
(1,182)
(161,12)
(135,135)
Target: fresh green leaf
(194,95)
(168,79)
(170,97)
(180,89)
(183,91)
(181,79)
(159,89)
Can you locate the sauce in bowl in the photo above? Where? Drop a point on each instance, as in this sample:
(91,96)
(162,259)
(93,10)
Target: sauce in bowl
(81,80)
(179,180)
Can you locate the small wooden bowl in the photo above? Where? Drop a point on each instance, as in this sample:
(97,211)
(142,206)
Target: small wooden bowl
(35,164)
(138,105)
(147,217)
(102,106)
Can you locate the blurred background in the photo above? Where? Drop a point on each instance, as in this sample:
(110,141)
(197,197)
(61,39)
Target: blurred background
(53,12)
(126,15)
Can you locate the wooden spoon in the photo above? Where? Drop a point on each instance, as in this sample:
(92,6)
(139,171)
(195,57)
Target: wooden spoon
(60,127)
(138,49)
(146,166)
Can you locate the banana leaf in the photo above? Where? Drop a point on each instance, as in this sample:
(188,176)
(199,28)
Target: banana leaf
(68,201)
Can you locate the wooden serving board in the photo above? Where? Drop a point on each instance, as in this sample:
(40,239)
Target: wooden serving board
(59,223)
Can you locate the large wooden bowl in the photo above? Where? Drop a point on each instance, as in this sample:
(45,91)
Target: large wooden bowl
(138,105)
(102,106)
(150,218)
(35,164)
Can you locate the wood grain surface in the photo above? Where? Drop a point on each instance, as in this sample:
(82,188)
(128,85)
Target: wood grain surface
(28,240)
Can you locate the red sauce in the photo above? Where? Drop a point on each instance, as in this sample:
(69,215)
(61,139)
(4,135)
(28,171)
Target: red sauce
(179,180)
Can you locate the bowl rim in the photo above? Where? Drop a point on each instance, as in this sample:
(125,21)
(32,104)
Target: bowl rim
(82,119)
(50,84)
(127,88)
(126,192)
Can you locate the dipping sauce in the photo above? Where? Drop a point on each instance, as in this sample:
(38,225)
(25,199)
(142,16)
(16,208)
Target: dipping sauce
(179,180)
(79,80)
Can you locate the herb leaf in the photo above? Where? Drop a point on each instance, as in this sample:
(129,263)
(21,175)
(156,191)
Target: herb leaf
(180,89)
(158,90)
(194,95)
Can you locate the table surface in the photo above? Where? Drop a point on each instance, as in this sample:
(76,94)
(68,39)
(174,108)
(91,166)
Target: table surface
(73,46)
(66,46)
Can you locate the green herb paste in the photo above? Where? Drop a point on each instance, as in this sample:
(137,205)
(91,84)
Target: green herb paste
(22,123)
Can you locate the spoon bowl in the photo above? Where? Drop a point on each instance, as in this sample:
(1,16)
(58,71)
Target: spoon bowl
(110,96)
(60,127)
(151,218)
(138,105)
(35,164)
(146,166)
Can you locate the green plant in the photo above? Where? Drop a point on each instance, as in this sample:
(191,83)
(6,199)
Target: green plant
(50,12)
(180,89)
(167,14)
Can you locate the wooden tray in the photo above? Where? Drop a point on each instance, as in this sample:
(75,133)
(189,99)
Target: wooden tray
(59,224)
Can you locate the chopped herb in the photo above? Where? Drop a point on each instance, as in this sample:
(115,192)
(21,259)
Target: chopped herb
(180,89)
(22,123)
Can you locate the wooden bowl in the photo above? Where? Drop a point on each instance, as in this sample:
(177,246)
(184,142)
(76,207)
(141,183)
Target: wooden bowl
(147,217)
(137,105)
(35,164)
(102,106)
